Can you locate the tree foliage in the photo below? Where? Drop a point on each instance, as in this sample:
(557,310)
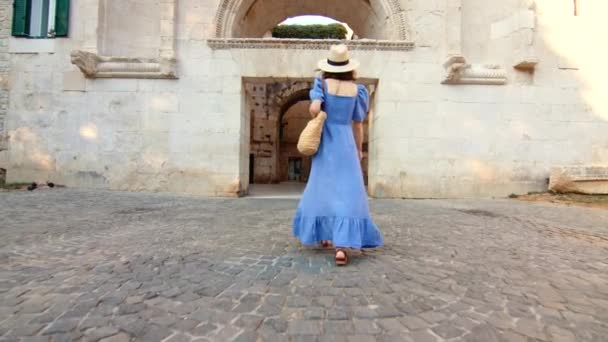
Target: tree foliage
(331,31)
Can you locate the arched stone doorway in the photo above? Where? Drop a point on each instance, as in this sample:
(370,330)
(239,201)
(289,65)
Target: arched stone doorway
(293,167)
(373,19)
(277,111)
(267,101)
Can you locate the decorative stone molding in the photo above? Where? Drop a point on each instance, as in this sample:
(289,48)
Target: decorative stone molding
(307,44)
(458,71)
(95,66)
(226,16)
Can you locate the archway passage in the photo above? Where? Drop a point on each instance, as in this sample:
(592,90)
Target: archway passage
(277,112)
(293,167)
(373,19)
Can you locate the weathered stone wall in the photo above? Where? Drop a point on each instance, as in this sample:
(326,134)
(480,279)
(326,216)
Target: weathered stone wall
(427,139)
(5,31)
(119,36)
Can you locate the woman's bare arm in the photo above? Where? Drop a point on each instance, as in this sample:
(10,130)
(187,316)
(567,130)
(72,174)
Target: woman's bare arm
(358,132)
(315,108)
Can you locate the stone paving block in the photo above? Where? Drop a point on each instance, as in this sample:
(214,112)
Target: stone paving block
(227,333)
(391,326)
(302,327)
(96,334)
(366,327)
(61,326)
(247,336)
(299,302)
(186,324)
(156,334)
(33,339)
(273,326)
(332,338)
(27,330)
(433,317)
(361,338)
(423,336)
(204,330)
(483,333)
(314,313)
(401,337)
(338,328)
(558,334)
(510,336)
(120,337)
(388,311)
(274,337)
(249,322)
(178,337)
(447,330)
(364,312)
(530,328)
(414,323)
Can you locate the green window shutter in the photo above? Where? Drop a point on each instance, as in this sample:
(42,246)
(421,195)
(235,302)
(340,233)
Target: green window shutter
(62,18)
(20,18)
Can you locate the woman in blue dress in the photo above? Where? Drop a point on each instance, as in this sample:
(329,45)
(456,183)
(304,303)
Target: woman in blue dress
(334,208)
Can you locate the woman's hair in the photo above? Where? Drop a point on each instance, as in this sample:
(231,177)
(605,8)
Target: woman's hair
(342,76)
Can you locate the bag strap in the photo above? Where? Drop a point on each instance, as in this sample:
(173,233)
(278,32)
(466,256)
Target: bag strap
(324,88)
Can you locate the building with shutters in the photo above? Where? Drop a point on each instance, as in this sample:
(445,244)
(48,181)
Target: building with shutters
(470,98)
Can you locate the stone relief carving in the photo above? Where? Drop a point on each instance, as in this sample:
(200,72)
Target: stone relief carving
(86,62)
(458,71)
(94,65)
(306,44)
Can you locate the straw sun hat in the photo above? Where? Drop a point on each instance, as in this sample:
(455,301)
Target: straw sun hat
(338,60)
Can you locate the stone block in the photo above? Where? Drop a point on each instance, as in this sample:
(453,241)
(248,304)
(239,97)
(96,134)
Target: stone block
(23,45)
(112,85)
(74,81)
(579,179)
(524,19)
(163,102)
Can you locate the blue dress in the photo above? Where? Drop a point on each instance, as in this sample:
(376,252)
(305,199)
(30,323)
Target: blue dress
(334,204)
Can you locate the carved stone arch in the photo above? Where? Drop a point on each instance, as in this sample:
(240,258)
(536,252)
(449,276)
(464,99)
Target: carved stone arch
(393,20)
(285,96)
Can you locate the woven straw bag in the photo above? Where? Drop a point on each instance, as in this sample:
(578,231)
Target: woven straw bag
(310,138)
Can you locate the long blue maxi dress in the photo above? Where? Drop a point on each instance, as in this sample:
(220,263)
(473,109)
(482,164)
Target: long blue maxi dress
(334,204)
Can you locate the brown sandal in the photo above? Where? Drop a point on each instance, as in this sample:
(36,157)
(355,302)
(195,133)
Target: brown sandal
(326,244)
(341,261)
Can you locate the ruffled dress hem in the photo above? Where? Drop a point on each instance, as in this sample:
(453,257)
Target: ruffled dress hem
(346,232)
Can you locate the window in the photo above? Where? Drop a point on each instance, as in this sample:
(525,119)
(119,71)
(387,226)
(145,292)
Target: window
(41,18)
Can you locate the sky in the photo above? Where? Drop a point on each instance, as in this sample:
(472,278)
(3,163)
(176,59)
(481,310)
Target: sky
(308,20)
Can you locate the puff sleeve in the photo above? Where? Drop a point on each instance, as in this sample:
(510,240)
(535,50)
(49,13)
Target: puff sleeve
(362,104)
(317,93)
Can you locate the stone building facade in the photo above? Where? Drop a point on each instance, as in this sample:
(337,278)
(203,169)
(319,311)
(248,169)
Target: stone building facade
(5,32)
(470,98)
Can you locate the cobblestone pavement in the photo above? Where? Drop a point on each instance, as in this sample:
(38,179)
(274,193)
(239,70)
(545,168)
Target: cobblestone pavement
(114,266)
